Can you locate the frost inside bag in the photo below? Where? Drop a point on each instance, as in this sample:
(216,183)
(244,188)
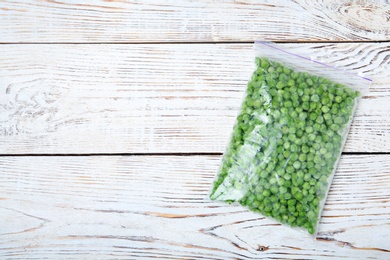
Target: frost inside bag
(288,137)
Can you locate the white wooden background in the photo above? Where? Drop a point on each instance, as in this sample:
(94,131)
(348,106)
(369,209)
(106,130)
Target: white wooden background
(114,116)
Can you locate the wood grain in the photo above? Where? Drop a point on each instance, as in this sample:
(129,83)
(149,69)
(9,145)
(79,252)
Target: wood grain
(154,206)
(57,97)
(193,21)
(169,98)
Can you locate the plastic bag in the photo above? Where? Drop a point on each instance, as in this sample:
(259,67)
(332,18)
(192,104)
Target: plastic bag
(288,137)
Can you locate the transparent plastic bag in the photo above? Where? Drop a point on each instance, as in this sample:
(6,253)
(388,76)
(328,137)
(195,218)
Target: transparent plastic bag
(288,137)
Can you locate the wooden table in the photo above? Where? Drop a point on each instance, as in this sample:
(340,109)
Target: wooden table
(114,116)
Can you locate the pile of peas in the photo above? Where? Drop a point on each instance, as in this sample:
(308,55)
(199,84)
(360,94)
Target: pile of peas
(285,144)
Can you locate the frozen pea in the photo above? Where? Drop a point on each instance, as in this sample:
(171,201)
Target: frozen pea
(285,143)
(297,165)
(315,98)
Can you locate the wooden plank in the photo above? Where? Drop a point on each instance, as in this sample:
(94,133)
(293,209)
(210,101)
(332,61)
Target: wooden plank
(154,206)
(188,21)
(156,98)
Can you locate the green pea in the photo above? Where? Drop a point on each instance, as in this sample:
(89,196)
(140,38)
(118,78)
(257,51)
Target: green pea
(311,230)
(294,156)
(325,109)
(327,116)
(305,98)
(298,141)
(306,185)
(339,120)
(306,105)
(297,165)
(291,83)
(319,119)
(299,196)
(317,126)
(313,116)
(294,75)
(283,189)
(317,159)
(287,196)
(315,98)
(323,150)
(292,130)
(309,82)
(334,127)
(266,193)
(289,169)
(309,129)
(316,146)
(274,189)
(305,149)
(288,104)
(291,208)
(311,137)
(311,215)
